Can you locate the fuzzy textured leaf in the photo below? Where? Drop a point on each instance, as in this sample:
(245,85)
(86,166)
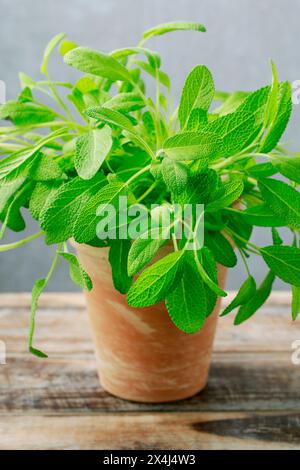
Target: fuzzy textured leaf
(283,200)
(49,49)
(97,63)
(152,56)
(175,175)
(200,188)
(155,282)
(173,26)
(186,303)
(258,299)
(23,114)
(236,131)
(125,102)
(221,249)
(8,189)
(262,216)
(144,248)
(77,273)
(282,118)
(162,76)
(19,163)
(203,146)
(91,151)
(118,258)
(227,194)
(111,116)
(36,292)
(11,215)
(244,295)
(288,167)
(284,261)
(45,168)
(39,196)
(86,223)
(61,211)
(198,92)
(295,302)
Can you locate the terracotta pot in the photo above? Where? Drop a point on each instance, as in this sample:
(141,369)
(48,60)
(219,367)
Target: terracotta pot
(141,355)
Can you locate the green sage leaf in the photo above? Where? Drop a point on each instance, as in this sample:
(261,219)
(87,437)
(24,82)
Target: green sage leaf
(36,292)
(91,151)
(118,258)
(197,93)
(258,299)
(77,273)
(155,282)
(144,248)
(262,216)
(153,57)
(202,146)
(186,302)
(173,26)
(288,167)
(85,228)
(61,211)
(221,249)
(244,295)
(49,49)
(125,102)
(282,118)
(175,175)
(282,199)
(284,261)
(39,196)
(111,116)
(154,72)
(97,63)
(24,114)
(295,302)
(228,193)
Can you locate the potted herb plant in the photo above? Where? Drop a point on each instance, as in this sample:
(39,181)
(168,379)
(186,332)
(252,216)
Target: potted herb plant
(153,300)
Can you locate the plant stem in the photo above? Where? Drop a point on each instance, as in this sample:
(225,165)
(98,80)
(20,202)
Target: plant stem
(146,193)
(232,233)
(34,307)
(229,161)
(136,175)
(154,117)
(48,109)
(11,246)
(244,261)
(211,284)
(58,98)
(53,265)
(175,244)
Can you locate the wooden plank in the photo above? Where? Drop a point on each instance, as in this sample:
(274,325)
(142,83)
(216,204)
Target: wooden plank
(270,329)
(65,331)
(155,431)
(48,299)
(249,381)
(252,400)
(76,299)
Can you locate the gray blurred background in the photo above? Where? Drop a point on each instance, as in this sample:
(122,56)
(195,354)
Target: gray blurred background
(242,35)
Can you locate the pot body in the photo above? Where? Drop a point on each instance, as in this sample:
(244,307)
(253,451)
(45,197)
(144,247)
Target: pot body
(141,355)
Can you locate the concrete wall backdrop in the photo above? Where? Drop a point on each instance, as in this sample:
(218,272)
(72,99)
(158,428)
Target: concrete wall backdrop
(242,35)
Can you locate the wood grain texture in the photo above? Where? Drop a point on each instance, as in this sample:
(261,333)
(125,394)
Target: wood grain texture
(62,327)
(252,400)
(130,431)
(76,299)
(58,384)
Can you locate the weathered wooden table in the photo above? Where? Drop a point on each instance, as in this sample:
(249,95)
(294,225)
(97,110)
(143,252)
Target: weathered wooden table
(252,400)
